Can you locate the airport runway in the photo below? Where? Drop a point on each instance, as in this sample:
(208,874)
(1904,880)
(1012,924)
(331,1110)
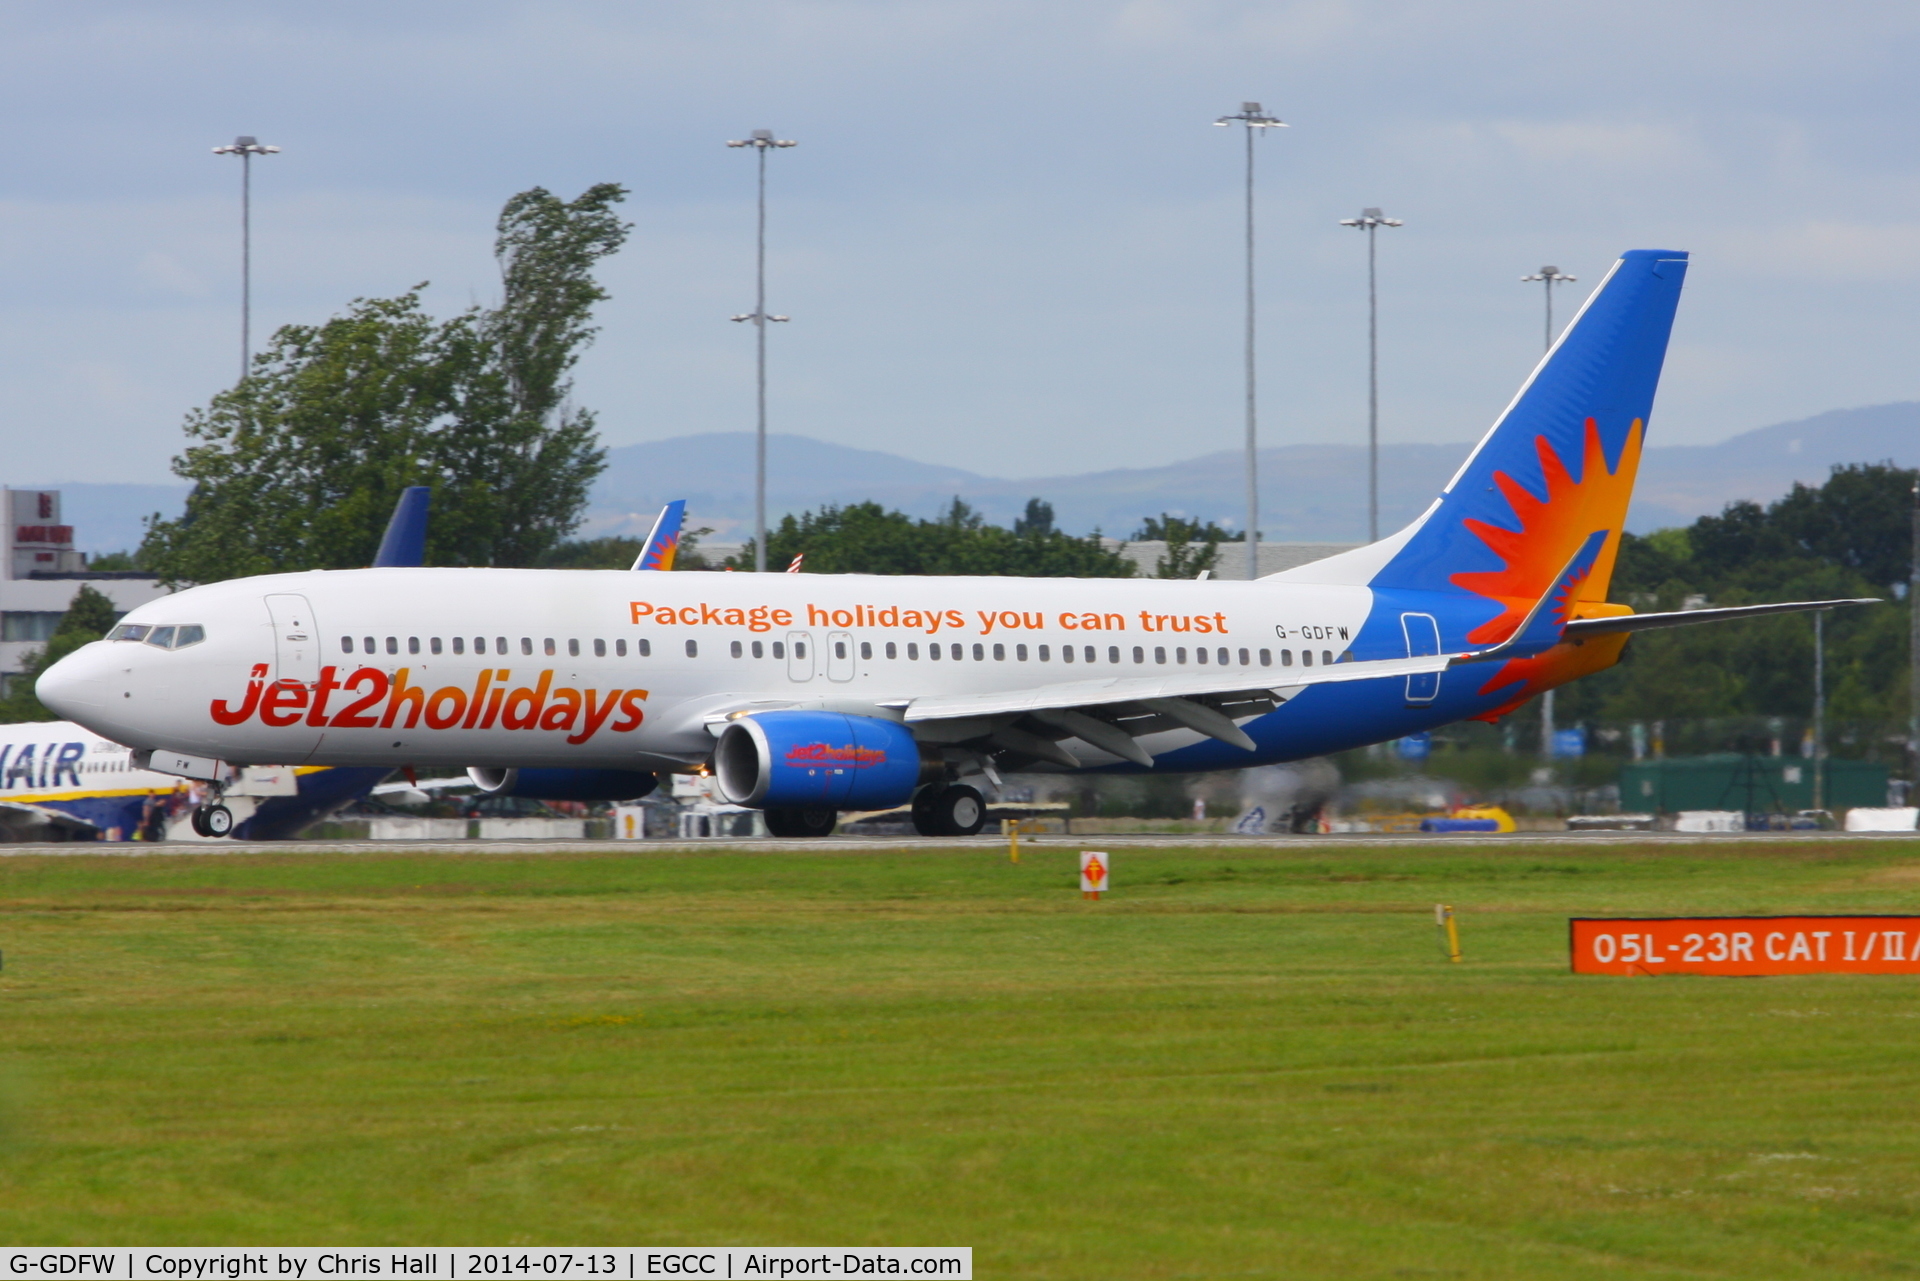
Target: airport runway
(857,844)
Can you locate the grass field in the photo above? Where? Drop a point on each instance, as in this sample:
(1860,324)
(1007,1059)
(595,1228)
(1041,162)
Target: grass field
(1242,1063)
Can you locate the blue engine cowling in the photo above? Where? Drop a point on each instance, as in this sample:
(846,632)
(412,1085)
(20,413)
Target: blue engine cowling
(817,759)
(565,784)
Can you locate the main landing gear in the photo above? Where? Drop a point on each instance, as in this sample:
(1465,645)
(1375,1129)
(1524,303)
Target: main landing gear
(948,810)
(800,821)
(211,820)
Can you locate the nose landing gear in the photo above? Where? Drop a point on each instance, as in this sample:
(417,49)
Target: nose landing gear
(211,820)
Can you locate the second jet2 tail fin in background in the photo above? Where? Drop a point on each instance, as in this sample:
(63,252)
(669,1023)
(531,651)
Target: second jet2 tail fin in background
(405,542)
(663,543)
(1556,469)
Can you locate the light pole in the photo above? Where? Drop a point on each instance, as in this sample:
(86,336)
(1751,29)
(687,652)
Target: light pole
(1254,118)
(1819,706)
(246,147)
(1371,220)
(1913,650)
(1547,277)
(762,141)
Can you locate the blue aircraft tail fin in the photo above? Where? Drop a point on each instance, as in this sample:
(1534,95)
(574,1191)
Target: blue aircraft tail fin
(405,542)
(663,541)
(1556,469)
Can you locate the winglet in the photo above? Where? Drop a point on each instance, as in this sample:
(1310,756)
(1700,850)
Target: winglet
(663,543)
(405,543)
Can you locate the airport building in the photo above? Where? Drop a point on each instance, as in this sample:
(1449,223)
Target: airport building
(40,571)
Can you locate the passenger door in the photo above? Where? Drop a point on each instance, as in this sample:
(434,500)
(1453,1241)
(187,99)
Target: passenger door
(800,656)
(1423,640)
(296,639)
(839,656)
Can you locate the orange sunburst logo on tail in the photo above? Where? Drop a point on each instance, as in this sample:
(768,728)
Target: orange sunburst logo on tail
(1551,531)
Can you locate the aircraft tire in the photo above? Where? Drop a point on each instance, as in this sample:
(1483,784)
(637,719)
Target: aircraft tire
(925,821)
(215,820)
(801,821)
(198,821)
(958,810)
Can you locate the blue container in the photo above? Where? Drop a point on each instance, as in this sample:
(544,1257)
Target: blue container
(1459,825)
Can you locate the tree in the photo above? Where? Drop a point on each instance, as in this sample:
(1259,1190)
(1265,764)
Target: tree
(1038,521)
(865,538)
(1183,559)
(1860,520)
(1849,537)
(300,465)
(89,617)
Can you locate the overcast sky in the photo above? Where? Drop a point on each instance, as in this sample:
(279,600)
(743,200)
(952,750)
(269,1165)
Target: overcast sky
(1009,238)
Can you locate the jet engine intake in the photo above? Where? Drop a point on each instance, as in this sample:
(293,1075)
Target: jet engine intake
(817,759)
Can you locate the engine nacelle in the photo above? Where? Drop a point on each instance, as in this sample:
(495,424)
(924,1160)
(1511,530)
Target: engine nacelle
(817,759)
(565,784)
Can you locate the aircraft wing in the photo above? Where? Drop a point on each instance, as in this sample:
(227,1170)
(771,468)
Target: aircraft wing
(1111,713)
(1121,689)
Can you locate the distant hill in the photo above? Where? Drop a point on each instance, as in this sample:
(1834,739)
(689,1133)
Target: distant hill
(1679,483)
(1308,493)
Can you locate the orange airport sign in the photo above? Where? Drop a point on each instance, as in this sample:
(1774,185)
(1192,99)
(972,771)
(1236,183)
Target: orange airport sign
(1746,946)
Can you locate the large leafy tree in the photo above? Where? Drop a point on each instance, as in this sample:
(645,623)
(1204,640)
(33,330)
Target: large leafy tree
(1848,537)
(865,538)
(90,616)
(299,466)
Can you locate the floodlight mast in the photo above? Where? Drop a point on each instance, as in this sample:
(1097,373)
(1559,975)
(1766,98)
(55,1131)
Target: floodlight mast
(1913,650)
(1547,277)
(1255,118)
(1371,220)
(246,147)
(762,141)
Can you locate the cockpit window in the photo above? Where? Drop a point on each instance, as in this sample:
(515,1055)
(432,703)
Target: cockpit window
(128,632)
(175,637)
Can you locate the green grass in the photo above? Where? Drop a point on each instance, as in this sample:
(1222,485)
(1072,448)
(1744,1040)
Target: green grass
(1241,1063)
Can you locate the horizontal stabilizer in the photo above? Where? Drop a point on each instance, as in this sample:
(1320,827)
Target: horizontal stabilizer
(1687,617)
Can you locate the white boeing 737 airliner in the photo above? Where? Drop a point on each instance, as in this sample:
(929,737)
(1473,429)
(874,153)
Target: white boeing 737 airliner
(811,694)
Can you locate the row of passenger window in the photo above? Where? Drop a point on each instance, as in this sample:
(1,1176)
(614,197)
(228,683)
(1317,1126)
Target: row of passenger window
(370,645)
(954,652)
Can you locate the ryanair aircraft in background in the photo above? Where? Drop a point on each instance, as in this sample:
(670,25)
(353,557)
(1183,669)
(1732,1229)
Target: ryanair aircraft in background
(50,768)
(806,695)
(59,766)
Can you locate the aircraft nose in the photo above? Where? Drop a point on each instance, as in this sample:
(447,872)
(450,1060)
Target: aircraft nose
(74,684)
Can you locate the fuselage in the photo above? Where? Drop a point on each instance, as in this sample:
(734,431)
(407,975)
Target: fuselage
(507,668)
